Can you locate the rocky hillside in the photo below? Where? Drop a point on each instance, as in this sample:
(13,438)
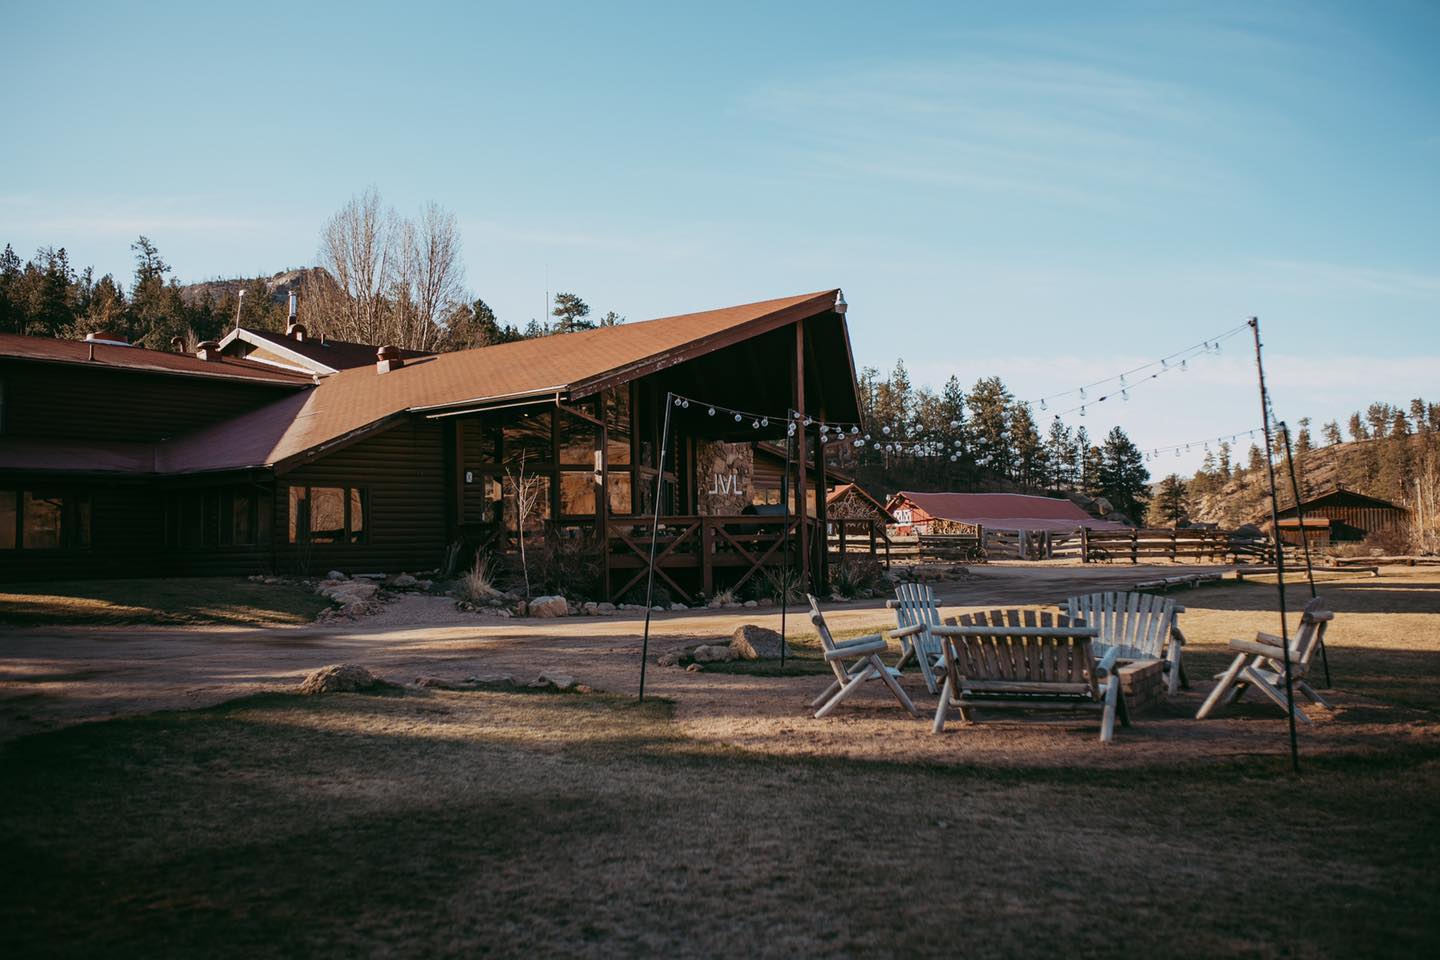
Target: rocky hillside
(1379,468)
(277,286)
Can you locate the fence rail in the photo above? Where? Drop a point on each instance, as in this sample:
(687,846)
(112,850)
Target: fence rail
(1132,545)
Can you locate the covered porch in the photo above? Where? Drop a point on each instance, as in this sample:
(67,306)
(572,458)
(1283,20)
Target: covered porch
(582,468)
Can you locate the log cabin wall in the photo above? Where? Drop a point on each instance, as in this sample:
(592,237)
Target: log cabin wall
(400,476)
(57,401)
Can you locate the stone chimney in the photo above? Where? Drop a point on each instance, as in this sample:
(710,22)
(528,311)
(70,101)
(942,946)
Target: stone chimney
(388,358)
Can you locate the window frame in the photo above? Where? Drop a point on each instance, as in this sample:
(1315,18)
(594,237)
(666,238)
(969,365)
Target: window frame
(297,534)
(72,538)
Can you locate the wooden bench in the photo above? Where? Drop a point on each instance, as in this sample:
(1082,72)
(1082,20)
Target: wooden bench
(1027,659)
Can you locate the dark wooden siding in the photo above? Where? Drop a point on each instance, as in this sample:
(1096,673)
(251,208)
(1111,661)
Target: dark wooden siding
(67,401)
(1352,516)
(126,531)
(403,473)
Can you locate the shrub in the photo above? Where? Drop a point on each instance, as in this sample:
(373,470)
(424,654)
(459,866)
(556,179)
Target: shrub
(854,576)
(776,584)
(478,584)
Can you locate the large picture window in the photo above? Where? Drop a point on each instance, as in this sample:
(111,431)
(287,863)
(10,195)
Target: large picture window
(215,517)
(44,520)
(325,514)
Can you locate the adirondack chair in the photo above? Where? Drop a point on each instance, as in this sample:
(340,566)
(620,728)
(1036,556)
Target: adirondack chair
(854,662)
(1026,658)
(916,611)
(1138,625)
(1259,664)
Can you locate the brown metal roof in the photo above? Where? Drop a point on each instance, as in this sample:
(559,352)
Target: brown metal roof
(76,456)
(48,349)
(324,355)
(574,364)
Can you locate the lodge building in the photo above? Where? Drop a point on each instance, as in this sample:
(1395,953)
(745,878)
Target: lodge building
(283,452)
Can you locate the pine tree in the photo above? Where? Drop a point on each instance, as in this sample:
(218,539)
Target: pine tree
(1378,417)
(1060,450)
(571,314)
(989,404)
(1171,500)
(1223,465)
(1255,460)
(1027,450)
(1332,433)
(1124,480)
(1303,445)
(1357,427)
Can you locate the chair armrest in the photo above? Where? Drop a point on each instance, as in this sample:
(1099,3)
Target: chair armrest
(874,643)
(892,604)
(911,630)
(1269,650)
(1106,665)
(1179,608)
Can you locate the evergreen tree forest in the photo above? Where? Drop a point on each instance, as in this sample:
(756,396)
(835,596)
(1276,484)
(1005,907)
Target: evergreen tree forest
(983,439)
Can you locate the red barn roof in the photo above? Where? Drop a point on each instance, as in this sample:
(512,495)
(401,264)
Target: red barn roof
(1002,511)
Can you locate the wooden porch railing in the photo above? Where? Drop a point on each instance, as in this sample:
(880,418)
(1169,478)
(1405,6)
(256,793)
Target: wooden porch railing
(695,549)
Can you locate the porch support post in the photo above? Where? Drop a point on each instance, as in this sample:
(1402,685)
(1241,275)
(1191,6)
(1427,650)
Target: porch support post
(801,487)
(457,477)
(822,532)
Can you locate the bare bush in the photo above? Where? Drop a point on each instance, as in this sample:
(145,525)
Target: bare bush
(478,584)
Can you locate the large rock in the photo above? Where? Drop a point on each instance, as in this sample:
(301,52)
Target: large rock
(403,581)
(335,575)
(751,642)
(549,607)
(347,592)
(713,653)
(342,678)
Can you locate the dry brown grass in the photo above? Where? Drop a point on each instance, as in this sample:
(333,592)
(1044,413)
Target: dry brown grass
(527,824)
(182,600)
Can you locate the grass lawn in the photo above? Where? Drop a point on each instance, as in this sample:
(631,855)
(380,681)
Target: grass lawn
(179,600)
(473,824)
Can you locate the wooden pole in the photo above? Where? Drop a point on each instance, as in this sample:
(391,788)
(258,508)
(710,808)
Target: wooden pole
(785,545)
(801,486)
(1304,537)
(1279,554)
(654,533)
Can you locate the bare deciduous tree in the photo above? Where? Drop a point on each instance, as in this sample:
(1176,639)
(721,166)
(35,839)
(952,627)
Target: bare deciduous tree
(394,278)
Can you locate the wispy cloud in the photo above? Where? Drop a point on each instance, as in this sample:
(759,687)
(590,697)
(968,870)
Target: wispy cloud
(1310,275)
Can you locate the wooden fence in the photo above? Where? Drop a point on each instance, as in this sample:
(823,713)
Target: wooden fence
(1092,546)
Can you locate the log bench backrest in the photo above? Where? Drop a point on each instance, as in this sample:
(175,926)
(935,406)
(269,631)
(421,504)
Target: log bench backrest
(1038,648)
(1137,623)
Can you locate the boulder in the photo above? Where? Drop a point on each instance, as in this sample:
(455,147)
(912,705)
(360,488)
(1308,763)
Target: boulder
(678,607)
(346,592)
(402,581)
(671,659)
(554,681)
(547,608)
(751,642)
(342,678)
(590,609)
(694,668)
(713,653)
(752,604)
(335,575)
(605,608)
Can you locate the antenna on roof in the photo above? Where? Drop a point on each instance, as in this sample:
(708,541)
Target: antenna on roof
(239,302)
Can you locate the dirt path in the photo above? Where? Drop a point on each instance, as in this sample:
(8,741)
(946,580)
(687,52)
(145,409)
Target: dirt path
(54,677)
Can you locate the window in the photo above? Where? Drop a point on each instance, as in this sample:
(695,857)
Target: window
(577,493)
(242,520)
(327,515)
(9,519)
(579,439)
(42,529)
(526,436)
(617,427)
(44,520)
(537,494)
(620,494)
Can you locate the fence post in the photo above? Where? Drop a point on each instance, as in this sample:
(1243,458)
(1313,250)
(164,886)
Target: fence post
(1084,544)
(1173,535)
(1134,546)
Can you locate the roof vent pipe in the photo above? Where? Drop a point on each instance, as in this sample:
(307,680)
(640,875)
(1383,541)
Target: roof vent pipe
(388,358)
(840,305)
(177,344)
(296,331)
(208,350)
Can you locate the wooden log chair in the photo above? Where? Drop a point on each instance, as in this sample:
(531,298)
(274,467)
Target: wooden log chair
(916,613)
(854,662)
(1029,659)
(1259,664)
(1142,626)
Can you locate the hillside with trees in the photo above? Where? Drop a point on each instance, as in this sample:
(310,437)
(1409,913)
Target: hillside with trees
(1386,451)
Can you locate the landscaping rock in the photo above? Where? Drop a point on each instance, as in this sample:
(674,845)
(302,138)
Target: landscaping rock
(605,608)
(425,585)
(553,681)
(547,608)
(752,642)
(677,607)
(342,678)
(752,604)
(346,592)
(402,581)
(713,653)
(669,660)
(335,575)
(694,668)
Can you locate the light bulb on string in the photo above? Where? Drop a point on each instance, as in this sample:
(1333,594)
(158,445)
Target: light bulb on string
(739,417)
(1184,365)
(1125,395)
(711,411)
(1082,410)
(1082,393)
(885,429)
(764,421)
(677,401)
(755,425)
(1042,405)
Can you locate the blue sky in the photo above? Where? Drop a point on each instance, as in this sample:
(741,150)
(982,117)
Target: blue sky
(1047,192)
